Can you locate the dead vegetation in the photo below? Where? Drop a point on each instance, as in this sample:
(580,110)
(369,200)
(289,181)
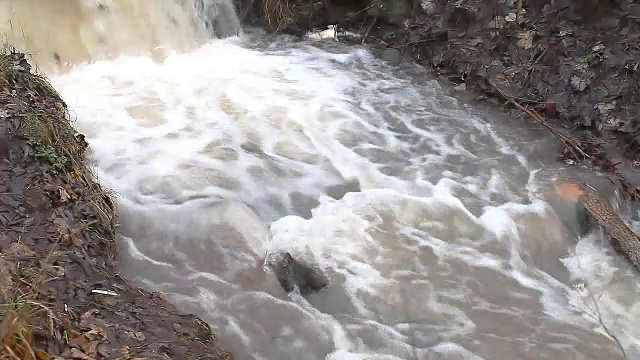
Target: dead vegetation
(24,316)
(276,13)
(575,75)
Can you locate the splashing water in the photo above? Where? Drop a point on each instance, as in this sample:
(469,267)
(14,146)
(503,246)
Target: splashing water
(430,218)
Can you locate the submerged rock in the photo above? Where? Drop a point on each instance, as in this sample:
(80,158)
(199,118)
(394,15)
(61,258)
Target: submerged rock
(292,273)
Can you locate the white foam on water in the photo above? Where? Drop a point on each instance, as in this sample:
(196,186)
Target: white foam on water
(604,291)
(209,149)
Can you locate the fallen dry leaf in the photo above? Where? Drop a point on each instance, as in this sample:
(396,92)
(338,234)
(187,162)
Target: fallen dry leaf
(87,319)
(77,354)
(76,174)
(95,333)
(525,39)
(569,191)
(64,195)
(75,239)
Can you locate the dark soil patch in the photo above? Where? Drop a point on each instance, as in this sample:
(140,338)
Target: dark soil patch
(60,292)
(572,65)
(548,56)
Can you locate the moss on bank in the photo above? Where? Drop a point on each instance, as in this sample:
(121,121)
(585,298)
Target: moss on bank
(60,292)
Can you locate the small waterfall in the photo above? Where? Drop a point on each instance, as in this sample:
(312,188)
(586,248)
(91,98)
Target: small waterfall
(427,215)
(219,16)
(84,29)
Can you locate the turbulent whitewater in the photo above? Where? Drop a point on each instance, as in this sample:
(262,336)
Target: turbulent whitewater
(432,219)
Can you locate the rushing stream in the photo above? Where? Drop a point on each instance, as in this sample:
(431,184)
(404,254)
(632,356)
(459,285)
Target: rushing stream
(433,219)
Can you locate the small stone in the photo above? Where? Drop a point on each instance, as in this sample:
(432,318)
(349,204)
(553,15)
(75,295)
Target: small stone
(77,354)
(292,273)
(177,327)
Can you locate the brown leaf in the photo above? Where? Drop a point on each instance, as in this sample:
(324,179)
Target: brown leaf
(76,174)
(41,355)
(77,354)
(87,319)
(72,334)
(75,239)
(550,107)
(80,341)
(95,333)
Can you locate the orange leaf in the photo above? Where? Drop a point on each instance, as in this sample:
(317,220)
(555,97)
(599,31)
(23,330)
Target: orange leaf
(569,191)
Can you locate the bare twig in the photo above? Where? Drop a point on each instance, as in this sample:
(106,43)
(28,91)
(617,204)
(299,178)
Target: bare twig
(373,23)
(365,9)
(531,67)
(598,316)
(406,37)
(571,144)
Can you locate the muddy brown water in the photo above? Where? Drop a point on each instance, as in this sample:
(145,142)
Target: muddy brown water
(434,219)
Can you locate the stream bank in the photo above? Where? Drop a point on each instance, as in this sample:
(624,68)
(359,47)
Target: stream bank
(61,294)
(573,64)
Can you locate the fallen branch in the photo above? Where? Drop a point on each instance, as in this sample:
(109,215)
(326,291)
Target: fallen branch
(373,23)
(406,36)
(623,239)
(531,67)
(571,144)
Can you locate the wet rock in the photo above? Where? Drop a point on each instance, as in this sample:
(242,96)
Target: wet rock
(391,55)
(293,273)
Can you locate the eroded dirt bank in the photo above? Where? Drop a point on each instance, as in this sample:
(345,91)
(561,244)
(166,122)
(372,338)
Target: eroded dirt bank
(60,292)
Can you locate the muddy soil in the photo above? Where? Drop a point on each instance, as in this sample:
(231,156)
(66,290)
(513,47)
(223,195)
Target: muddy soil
(574,62)
(60,292)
